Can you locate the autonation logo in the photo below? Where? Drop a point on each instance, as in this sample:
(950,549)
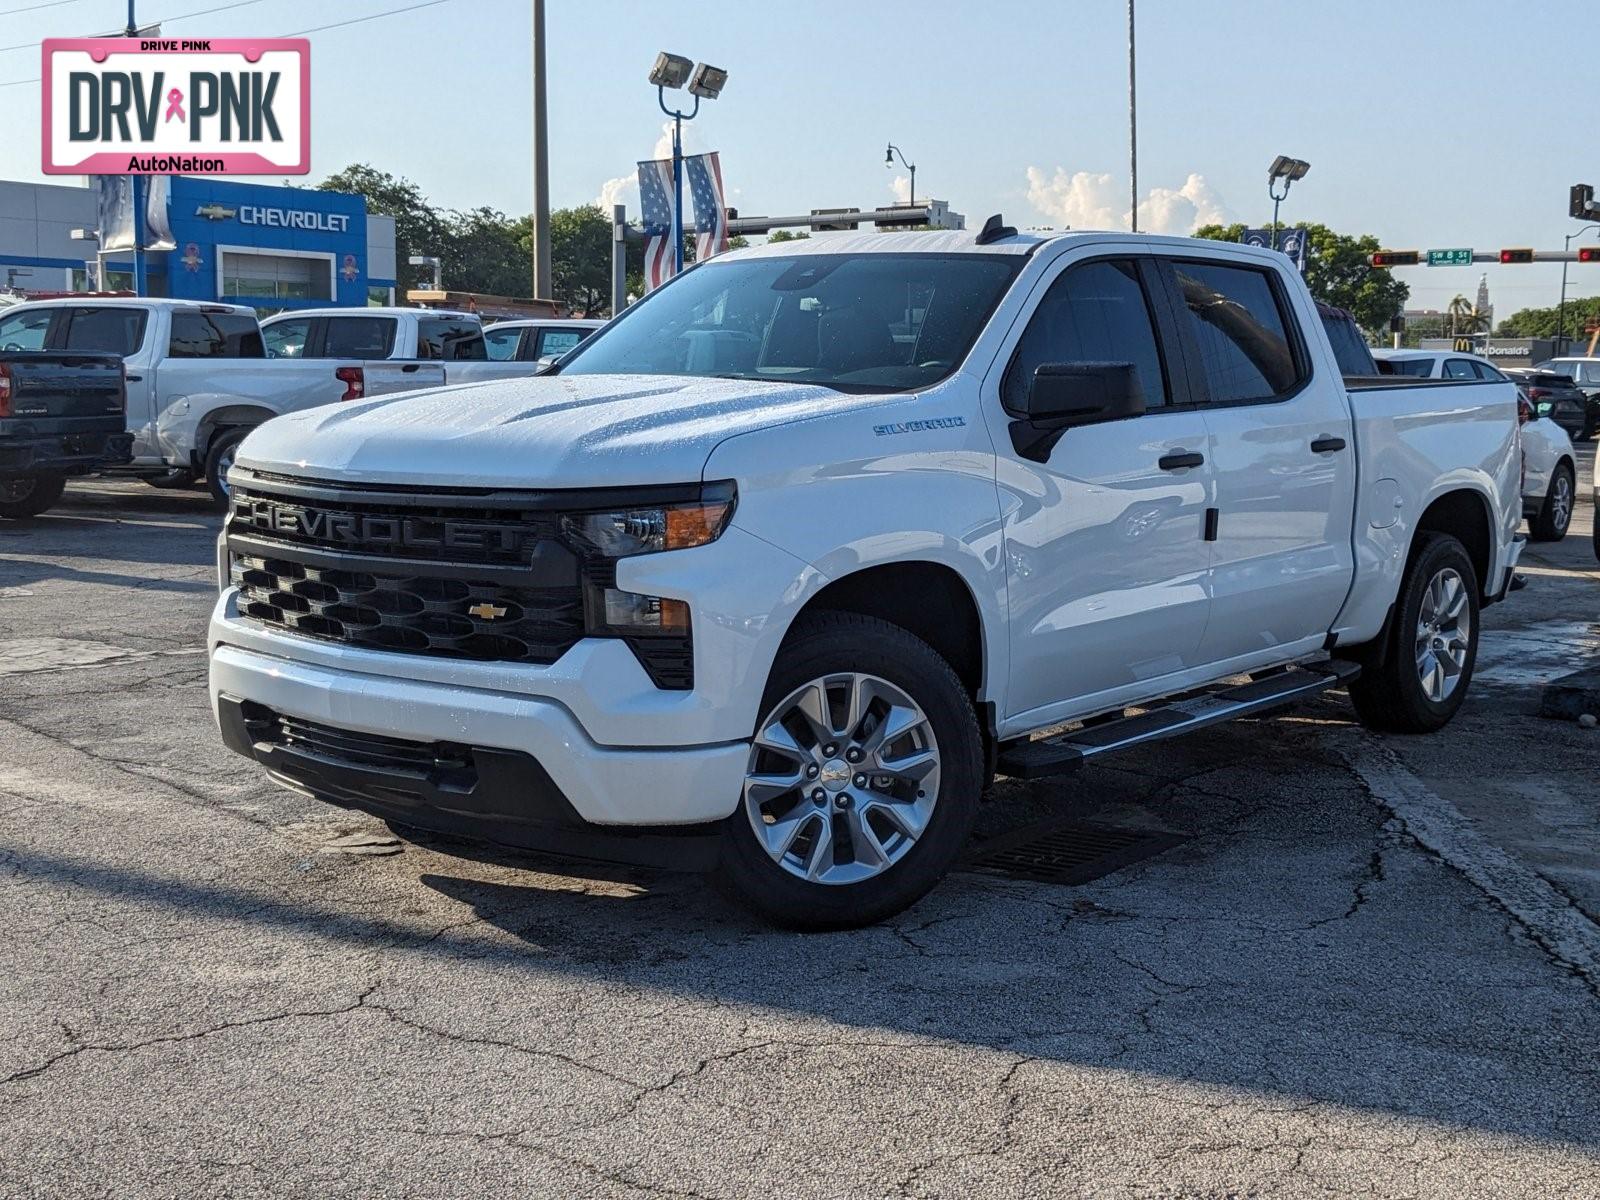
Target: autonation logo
(216,106)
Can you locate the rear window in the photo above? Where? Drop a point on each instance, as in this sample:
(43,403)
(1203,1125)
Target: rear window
(1417,368)
(359,337)
(24,330)
(198,334)
(452,339)
(107,330)
(559,341)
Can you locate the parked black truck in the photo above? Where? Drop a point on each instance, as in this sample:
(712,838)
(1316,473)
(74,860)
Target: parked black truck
(61,414)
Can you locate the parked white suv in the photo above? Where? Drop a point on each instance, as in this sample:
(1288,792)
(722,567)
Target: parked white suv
(537,341)
(778,568)
(1549,465)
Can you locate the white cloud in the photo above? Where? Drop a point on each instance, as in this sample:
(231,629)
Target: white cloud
(624,189)
(1086,200)
(900,185)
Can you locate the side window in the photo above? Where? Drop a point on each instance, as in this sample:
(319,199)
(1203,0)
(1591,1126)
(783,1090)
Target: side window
(450,338)
(1485,371)
(1460,368)
(25,330)
(1095,312)
(359,337)
(556,342)
(214,335)
(1240,330)
(502,343)
(287,338)
(112,330)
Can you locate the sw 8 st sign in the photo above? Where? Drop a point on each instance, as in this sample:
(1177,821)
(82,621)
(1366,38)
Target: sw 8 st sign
(209,106)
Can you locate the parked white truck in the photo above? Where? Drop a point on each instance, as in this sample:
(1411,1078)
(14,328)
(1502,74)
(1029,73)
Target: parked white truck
(399,338)
(780,567)
(198,378)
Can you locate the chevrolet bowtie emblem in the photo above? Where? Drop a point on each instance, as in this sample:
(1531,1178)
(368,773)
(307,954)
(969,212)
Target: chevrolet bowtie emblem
(487,612)
(215,212)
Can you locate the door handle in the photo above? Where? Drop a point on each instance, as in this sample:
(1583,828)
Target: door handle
(1327,445)
(411,368)
(135,378)
(1179,459)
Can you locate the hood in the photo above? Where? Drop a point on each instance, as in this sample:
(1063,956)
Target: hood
(546,431)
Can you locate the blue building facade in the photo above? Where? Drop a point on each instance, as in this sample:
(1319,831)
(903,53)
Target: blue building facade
(243,243)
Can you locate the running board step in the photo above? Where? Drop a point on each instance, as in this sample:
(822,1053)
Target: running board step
(1068,751)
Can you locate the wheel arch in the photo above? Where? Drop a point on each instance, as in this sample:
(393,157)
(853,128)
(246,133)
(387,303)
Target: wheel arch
(227,416)
(1466,514)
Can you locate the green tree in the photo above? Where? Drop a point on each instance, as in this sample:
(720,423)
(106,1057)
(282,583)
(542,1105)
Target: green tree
(486,251)
(419,228)
(1465,318)
(787,235)
(1543,322)
(1337,273)
(580,258)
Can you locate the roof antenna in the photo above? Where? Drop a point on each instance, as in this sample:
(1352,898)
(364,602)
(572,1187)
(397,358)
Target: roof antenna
(994,229)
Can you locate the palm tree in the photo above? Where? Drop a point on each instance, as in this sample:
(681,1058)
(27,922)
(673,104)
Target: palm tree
(1466,317)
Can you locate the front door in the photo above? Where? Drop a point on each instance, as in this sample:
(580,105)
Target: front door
(1282,450)
(1105,541)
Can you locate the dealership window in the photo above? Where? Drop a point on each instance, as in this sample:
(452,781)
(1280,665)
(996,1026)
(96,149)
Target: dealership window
(276,276)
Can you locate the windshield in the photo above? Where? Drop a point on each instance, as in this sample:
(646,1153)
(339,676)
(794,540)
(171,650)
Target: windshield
(870,322)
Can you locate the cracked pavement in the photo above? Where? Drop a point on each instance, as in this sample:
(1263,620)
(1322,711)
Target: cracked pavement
(1371,967)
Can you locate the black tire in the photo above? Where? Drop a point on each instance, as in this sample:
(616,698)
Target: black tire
(1390,697)
(1555,515)
(23,498)
(830,643)
(178,477)
(219,455)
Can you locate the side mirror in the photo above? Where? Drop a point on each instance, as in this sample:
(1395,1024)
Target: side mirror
(1064,395)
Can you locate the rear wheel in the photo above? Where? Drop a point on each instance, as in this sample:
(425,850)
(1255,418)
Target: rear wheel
(1550,525)
(219,458)
(1433,644)
(863,778)
(20,498)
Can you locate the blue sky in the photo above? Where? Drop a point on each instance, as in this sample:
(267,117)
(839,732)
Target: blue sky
(1428,124)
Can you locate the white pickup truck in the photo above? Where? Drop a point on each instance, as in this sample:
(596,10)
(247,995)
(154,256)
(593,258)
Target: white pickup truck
(197,376)
(406,339)
(777,570)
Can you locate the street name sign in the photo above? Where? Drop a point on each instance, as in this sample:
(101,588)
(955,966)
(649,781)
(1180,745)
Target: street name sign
(1460,257)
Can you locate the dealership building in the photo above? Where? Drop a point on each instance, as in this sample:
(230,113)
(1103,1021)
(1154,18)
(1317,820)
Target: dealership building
(243,243)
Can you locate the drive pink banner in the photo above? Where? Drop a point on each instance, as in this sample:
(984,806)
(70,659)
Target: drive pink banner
(158,106)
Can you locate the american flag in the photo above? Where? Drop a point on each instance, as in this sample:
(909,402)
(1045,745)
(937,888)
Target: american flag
(655,198)
(710,217)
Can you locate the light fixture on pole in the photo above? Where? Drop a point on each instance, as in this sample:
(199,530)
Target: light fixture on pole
(430,260)
(704,82)
(1287,170)
(888,161)
(1561,309)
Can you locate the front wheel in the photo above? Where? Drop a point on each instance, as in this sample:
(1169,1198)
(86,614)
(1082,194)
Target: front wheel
(1433,644)
(21,498)
(219,458)
(1550,524)
(863,778)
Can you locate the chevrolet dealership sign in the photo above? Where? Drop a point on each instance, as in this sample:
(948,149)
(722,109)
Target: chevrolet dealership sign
(156,106)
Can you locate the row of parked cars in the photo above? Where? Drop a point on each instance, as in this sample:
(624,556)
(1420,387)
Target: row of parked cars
(167,389)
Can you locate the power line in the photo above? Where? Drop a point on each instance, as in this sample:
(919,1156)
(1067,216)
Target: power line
(37,7)
(358,20)
(204,12)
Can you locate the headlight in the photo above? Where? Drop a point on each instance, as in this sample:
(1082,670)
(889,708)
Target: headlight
(650,528)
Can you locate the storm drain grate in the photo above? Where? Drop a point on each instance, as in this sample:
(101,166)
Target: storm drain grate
(1069,854)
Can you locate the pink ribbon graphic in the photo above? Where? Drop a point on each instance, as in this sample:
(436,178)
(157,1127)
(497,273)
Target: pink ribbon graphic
(175,105)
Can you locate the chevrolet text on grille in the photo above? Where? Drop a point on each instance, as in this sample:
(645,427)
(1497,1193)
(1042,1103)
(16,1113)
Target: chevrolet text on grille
(361,529)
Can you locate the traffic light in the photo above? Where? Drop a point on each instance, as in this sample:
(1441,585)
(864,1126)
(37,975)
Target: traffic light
(1589,253)
(1580,202)
(1516,256)
(1396,258)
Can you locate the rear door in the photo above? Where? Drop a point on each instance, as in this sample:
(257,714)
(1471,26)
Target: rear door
(1282,453)
(1106,560)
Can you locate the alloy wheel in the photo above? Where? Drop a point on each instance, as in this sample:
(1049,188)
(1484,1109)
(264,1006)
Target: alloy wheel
(843,778)
(14,491)
(1444,634)
(1561,503)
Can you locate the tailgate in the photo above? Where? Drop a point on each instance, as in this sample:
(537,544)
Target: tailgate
(385,376)
(49,385)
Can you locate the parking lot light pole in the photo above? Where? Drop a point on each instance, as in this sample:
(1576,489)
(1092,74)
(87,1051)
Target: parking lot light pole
(139,278)
(1561,309)
(704,82)
(1285,170)
(888,161)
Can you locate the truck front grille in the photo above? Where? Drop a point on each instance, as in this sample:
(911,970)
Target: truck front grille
(454,618)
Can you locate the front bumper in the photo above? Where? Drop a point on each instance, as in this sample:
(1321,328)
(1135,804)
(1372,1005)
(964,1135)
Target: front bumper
(65,453)
(602,786)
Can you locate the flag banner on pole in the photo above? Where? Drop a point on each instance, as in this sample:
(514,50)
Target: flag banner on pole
(115,212)
(1293,242)
(655,199)
(710,215)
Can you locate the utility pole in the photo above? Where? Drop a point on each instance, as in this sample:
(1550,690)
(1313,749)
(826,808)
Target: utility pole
(542,286)
(1133,132)
(140,278)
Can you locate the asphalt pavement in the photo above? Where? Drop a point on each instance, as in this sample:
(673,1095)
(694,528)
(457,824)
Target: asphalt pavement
(1368,966)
